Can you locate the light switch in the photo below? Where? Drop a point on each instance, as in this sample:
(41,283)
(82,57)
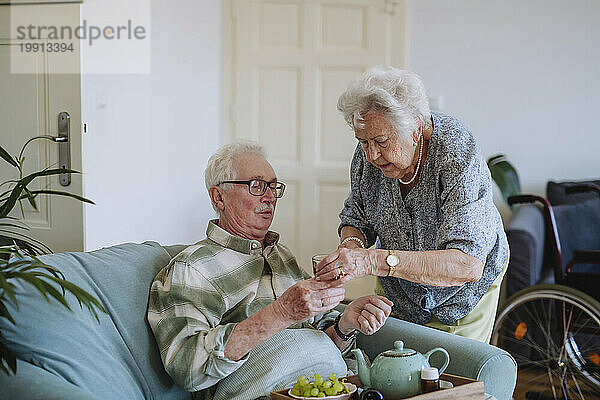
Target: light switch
(101,99)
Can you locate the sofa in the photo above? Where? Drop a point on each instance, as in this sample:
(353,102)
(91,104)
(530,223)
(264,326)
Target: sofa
(69,355)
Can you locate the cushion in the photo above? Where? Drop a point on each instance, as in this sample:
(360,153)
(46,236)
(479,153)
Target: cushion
(526,235)
(579,229)
(555,192)
(278,362)
(114,359)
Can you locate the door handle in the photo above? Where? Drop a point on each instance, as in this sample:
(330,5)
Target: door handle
(64,150)
(64,147)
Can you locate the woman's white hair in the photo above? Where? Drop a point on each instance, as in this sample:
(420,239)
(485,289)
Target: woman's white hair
(220,164)
(398,94)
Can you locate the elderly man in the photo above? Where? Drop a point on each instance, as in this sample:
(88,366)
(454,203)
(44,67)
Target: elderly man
(234,316)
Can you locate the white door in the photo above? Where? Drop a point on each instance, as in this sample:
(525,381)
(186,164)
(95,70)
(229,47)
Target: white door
(30,104)
(286,62)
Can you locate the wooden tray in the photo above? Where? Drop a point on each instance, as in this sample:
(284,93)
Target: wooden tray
(464,389)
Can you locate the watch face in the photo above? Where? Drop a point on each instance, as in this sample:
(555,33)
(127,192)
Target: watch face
(392,260)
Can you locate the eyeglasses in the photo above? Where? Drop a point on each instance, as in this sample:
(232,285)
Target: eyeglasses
(258,187)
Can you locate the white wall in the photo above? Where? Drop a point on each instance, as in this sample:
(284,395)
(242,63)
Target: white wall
(523,75)
(146,149)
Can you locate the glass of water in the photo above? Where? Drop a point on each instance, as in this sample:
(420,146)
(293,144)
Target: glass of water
(317,258)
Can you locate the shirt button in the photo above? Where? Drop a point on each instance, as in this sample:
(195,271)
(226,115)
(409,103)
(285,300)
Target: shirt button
(255,245)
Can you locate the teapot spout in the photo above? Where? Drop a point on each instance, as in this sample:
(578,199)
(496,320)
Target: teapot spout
(364,372)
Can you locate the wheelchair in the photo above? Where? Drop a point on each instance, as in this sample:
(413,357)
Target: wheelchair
(553,329)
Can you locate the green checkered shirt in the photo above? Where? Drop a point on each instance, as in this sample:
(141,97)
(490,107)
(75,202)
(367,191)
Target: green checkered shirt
(197,300)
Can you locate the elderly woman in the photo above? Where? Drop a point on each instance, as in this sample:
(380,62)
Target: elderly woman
(422,192)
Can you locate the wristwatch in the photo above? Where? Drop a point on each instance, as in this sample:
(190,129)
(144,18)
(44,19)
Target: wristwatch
(338,332)
(392,261)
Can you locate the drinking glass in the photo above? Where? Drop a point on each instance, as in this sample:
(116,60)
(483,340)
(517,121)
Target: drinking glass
(317,258)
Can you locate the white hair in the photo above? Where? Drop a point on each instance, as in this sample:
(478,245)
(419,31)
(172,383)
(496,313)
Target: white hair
(220,164)
(398,94)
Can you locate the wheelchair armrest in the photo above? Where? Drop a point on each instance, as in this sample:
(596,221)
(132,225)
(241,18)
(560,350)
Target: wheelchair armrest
(585,257)
(523,198)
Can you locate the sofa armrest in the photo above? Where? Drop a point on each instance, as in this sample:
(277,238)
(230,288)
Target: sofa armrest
(469,358)
(526,237)
(34,383)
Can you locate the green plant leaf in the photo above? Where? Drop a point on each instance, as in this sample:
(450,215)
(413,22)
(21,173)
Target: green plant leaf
(35,282)
(30,197)
(82,296)
(8,290)
(7,192)
(7,157)
(14,266)
(59,193)
(9,203)
(34,246)
(8,360)
(8,224)
(4,313)
(45,288)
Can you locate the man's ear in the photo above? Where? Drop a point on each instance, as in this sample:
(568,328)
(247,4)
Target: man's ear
(216,197)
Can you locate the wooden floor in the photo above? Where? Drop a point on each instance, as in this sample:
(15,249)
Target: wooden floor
(536,382)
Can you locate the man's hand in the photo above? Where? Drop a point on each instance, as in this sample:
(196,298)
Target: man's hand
(367,314)
(308,298)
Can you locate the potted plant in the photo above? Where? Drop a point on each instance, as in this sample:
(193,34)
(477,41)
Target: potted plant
(19,251)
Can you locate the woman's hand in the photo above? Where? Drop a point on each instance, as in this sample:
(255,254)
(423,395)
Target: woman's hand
(367,314)
(308,298)
(346,264)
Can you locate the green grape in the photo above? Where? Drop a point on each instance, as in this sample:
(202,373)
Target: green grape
(295,391)
(318,380)
(327,384)
(307,393)
(321,394)
(338,387)
(314,392)
(330,391)
(302,379)
(332,377)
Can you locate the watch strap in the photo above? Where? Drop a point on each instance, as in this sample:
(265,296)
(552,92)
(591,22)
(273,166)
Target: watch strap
(338,332)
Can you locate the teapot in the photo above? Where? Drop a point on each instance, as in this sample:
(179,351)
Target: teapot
(396,373)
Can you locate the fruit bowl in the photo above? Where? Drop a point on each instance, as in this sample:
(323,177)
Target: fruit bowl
(343,396)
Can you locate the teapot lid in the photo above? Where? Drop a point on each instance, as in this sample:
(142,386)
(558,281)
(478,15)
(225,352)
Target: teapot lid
(399,350)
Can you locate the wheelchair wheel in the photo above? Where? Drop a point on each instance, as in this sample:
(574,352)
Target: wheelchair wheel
(553,332)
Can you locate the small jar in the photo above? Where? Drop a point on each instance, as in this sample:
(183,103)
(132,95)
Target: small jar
(430,380)
(371,394)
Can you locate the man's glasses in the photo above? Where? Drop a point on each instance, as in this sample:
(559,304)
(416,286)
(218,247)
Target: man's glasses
(258,187)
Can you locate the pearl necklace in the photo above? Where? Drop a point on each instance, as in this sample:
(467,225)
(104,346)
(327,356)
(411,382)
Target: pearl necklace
(418,165)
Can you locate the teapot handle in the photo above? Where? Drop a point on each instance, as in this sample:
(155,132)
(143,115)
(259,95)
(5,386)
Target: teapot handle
(430,352)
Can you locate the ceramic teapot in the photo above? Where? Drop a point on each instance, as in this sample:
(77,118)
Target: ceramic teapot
(396,373)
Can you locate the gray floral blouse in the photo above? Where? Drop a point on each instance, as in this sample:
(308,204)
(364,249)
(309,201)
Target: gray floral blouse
(451,207)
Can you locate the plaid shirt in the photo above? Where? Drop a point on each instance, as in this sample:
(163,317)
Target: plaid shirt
(197,300)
